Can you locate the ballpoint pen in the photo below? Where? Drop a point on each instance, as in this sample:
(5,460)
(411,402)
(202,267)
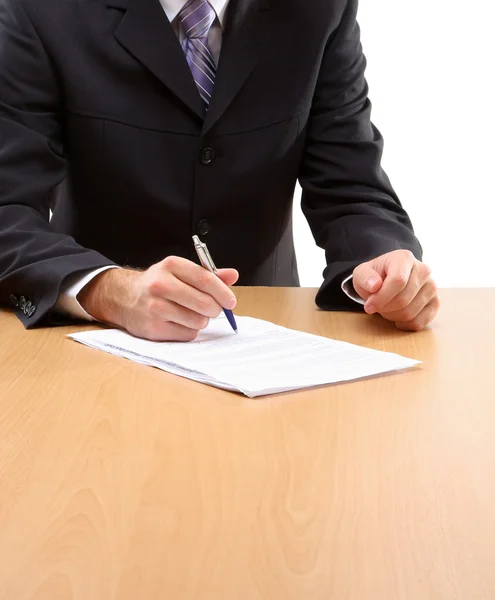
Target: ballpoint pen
(207,263)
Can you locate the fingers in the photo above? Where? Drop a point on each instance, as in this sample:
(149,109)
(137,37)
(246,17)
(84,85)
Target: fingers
(418,280)
(406,307)
(174,299)
(199,278)
(165,331)
(228,276)
(423,319)
(400,273)
(407,295)
(366,281)
(170,311)
(189,297)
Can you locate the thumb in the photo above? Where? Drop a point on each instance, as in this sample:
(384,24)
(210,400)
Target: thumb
(228,276)
(366,280)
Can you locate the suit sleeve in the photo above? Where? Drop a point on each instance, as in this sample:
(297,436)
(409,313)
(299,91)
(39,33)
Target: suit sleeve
(34,259)
(350,205)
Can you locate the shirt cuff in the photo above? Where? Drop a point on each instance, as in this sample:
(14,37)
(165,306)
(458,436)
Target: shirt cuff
(67,301)
(348,289)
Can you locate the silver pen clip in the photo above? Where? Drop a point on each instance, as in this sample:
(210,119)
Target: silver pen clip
(204,255)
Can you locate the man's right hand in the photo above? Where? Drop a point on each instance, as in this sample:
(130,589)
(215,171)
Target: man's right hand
(171,301)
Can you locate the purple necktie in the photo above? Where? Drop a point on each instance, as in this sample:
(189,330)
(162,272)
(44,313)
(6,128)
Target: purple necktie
(196,19)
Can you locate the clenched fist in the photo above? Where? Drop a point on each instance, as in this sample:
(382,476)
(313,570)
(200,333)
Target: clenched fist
(400,288)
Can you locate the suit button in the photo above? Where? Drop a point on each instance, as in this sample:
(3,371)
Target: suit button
(207,156)
(14,300)
(203,227)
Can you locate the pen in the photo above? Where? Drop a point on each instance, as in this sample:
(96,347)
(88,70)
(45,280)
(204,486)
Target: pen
(207,262)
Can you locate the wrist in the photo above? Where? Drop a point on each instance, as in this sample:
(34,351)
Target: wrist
(107,296)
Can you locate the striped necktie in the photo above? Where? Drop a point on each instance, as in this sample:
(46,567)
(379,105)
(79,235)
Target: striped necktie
(196,19)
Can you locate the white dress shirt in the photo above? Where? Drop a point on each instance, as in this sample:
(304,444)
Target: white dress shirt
(67,302)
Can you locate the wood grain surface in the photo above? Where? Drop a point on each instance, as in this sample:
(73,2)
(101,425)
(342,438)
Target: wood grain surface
(121,482)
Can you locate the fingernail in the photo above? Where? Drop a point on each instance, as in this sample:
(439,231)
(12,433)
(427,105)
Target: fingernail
(371,282)
(232,303)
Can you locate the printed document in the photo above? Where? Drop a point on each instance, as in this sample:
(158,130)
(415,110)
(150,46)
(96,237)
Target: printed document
(262,359)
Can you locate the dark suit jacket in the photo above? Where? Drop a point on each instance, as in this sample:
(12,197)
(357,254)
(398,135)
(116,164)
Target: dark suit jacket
(100,120)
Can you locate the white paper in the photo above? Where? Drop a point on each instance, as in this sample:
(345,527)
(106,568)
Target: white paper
(261,359)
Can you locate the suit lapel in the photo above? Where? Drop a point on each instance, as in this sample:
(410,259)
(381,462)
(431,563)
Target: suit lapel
(147,34)
(246,35)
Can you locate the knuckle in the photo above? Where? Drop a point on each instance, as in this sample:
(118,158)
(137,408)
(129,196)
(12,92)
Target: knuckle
(408,254)
(407,315)
(170,262)
(402,303)
(433,288)
(424,270)
(401,279)
(157,287)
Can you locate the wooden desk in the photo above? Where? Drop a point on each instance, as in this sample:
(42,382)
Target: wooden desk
(120,482)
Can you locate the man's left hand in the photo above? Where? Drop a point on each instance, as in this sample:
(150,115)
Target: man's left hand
(399,288)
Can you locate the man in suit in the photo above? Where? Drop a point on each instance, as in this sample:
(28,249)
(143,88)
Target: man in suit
(143,122)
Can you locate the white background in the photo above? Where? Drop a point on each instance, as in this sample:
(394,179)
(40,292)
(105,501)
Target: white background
(431,73)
